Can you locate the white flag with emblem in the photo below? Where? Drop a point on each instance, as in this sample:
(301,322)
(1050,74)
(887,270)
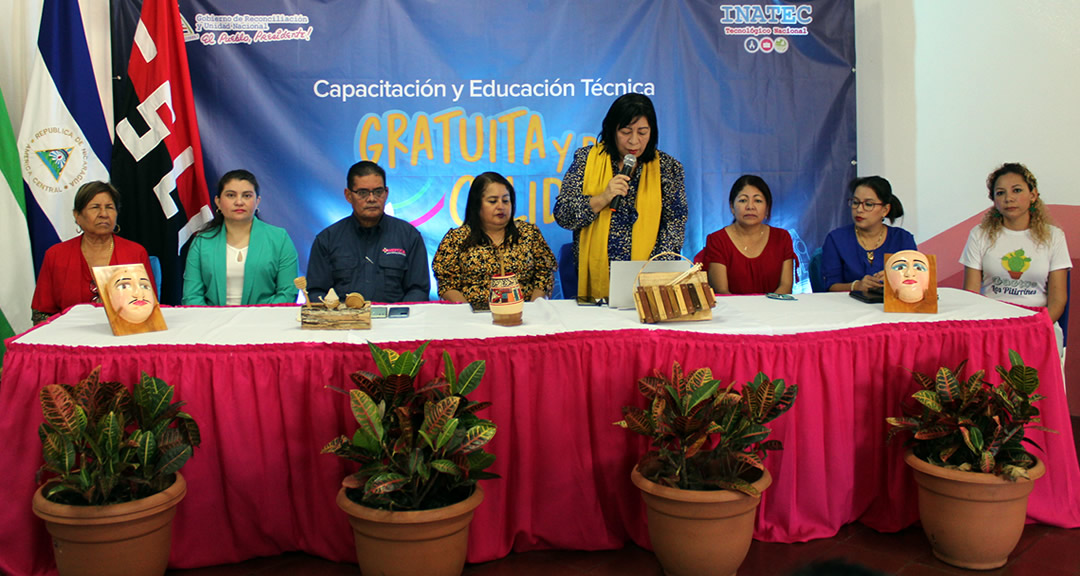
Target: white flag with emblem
(64,139)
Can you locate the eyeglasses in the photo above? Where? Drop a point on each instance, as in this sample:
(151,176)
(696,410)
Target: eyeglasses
(867,204)
(365,192)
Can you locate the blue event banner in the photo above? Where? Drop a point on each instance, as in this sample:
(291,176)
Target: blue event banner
(437,92)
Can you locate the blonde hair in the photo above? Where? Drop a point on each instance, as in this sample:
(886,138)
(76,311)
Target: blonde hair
(993,221)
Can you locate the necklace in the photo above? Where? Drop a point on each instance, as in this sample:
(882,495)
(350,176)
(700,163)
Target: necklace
(745,241)
(870,246)
(94,255)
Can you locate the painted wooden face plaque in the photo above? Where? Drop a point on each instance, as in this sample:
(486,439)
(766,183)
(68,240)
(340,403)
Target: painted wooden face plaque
(129,299)
(911,282)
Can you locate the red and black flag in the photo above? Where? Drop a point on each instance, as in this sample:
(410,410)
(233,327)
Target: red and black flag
(157,157)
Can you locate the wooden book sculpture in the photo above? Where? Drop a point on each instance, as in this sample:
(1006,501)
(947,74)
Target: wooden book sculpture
(911,282)
(673,296)
(129,299)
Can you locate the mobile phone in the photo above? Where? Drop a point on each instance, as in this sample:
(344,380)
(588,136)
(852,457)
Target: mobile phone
(776,296)
(399,312)
(378,311)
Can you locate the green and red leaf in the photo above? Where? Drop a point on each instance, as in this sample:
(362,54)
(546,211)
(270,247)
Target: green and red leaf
(447,433)
(366,413)
(928,398)
(926,382)
(475,438)
(696,444)
(173,459)
(61,412)
(385,483)
(437,414)
(474,407)
(446,467)
(946,385)
(651,386)
(337,446)
(110,432)
(932,432)
(153,395)
(59,452)
(637,420)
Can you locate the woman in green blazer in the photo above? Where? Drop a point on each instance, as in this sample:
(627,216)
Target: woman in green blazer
(237,258)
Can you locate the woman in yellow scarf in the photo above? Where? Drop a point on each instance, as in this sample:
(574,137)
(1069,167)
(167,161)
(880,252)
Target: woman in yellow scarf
(652,215)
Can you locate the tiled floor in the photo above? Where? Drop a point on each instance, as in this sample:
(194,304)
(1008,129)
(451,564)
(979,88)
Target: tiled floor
(1043,551)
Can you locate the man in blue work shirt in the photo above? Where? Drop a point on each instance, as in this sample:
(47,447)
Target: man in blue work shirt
(369,252)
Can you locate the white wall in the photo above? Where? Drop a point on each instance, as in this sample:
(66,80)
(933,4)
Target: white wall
(947,90)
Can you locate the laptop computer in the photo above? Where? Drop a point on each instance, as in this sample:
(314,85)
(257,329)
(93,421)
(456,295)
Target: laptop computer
(624,273)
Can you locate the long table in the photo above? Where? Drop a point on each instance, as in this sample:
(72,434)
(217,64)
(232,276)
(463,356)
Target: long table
(256,384)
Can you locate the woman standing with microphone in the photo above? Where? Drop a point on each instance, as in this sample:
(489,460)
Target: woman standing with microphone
(649,219)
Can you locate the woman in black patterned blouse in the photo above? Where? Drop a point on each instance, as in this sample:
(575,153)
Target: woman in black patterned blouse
(491,242)
(652,216)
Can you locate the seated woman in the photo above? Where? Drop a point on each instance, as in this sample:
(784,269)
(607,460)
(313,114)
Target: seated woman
(749,256)
(1016,254)
(853,257)
(65,278)
(489,243)
(237,258)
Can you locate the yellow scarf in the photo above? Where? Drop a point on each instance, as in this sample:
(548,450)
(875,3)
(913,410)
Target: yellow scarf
(593,272)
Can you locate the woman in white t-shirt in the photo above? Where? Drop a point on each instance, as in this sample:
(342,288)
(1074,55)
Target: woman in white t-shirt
(1015,254)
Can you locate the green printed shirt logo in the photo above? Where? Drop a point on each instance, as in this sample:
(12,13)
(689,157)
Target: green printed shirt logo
(1015,263)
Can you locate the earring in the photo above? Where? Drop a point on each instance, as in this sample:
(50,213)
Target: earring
(77,227)
(116,229)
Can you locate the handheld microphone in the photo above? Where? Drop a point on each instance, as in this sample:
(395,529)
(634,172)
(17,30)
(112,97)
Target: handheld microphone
(628,163)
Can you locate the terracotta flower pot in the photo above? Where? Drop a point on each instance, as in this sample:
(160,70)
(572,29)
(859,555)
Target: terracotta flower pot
(699,532)
(129,539)
(973,520)
(411,543)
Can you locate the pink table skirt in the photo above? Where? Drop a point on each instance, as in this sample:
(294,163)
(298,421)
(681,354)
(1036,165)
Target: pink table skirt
(258,486)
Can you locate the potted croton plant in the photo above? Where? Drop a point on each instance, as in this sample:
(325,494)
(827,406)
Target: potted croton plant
(966,448)
(702,480)
(421,452)
(112,461)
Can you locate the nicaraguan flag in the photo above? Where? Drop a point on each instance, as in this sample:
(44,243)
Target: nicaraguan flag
(64,139)
(17,289)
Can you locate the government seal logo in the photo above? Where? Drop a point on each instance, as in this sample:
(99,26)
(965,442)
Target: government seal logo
(55,159)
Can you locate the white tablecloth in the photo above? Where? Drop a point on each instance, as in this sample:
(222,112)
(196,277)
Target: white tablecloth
(86,325)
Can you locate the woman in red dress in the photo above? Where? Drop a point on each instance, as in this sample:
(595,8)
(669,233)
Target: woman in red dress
(748,256)
(65,278)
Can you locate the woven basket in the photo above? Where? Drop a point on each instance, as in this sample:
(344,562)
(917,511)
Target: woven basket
(658,300)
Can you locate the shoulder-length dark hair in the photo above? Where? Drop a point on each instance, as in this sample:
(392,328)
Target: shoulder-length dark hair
(215,225)
(624,110)
(883,190)
(477,236)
